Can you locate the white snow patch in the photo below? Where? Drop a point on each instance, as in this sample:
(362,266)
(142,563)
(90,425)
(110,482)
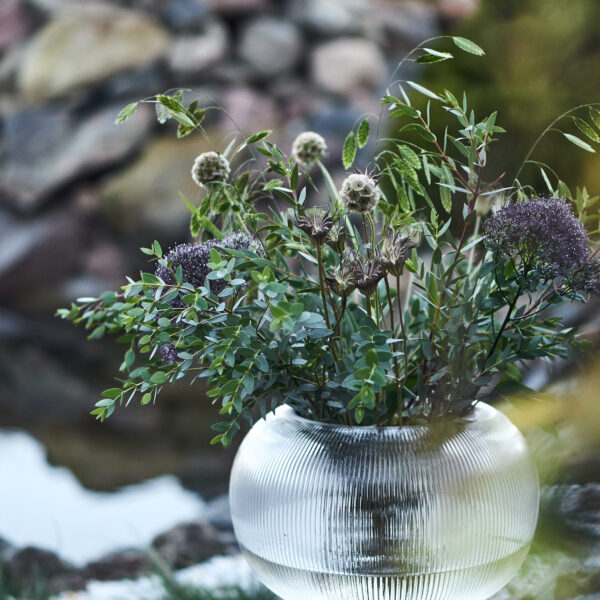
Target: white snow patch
(220,571)
(47,507)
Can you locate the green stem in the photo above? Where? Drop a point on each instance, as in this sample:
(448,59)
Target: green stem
(404,344)
(394,350)
(504,323)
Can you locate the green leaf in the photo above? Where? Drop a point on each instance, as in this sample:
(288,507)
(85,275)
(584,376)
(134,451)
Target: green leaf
(468,46)
(595,116)
(578,142)
(364,130)
(261,135)
(146,398)
(200,222)
(112,393)
(272,184)
(586,129)
(423,90)
(159,378)
(126,113)
(433,56)
(349,152)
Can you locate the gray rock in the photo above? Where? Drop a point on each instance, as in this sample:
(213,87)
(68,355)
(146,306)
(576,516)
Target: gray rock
(37,253)
(407,23)
(455,10)
(248,110)
(347,64)
(186,15)
(334,17)
(144,197)
(42,150)
(271,46)
(192,54)
(14,24)
(111,41)
(188,544)
(236,8)
(30,565)
(125,564)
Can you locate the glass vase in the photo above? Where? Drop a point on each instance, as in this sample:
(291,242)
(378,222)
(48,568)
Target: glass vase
(442,511)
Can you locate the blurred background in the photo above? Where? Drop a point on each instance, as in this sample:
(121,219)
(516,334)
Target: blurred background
(82,501)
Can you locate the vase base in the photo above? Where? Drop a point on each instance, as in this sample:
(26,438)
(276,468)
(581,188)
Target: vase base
(475,583)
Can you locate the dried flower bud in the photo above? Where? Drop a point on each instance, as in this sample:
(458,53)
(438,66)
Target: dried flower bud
(367,274)
(210,167)
(308,147)
(336,238)
(359,193)
(395,250)
(317,223)
(342,281)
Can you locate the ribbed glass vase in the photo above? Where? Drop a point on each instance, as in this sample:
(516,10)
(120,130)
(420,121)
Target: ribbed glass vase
(444,511)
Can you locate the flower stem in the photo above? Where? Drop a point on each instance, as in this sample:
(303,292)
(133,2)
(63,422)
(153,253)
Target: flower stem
(394,350)
(405,348)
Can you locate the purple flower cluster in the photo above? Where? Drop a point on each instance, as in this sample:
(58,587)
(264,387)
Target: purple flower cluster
(543,233)
(194,259)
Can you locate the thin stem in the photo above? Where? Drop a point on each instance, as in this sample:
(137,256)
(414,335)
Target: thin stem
(394,349)
(323,297)
(504,323)
(405,348)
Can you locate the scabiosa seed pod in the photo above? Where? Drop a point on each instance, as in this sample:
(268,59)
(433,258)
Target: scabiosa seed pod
(308,147)
(395,250)
(359,193)
(317,223)
(342,281)
(210,167)
(367,274)
(194,259)
(543,233)
(336,238)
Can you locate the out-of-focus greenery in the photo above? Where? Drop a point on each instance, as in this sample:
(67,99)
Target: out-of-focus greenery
(542,58)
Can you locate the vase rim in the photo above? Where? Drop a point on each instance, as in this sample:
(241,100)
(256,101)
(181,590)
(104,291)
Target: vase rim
(481,411)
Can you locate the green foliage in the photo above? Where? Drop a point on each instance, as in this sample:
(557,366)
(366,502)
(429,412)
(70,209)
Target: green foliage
(363,331)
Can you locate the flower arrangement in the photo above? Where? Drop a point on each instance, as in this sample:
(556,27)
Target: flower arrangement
(410,293)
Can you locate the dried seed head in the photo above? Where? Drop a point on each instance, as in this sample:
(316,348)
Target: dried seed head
(308,147)
(367,274)
(359,193)
(317,223)
(395,250)
(210,167)
(336,238)
(342,281)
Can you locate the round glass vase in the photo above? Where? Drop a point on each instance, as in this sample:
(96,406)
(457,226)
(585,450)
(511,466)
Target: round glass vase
(442,511)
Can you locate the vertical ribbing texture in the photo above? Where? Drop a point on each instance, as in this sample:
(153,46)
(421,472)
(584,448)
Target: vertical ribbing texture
(444,511)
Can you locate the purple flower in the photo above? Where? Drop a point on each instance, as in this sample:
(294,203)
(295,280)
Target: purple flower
(586,278)
(543,233)
(194,259)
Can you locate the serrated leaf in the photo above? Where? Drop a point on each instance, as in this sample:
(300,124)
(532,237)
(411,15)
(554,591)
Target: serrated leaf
(468,46)
(578,142)
(586,129)
(410,156)
(126,113)
(349,152)
(183,130)
(364,130)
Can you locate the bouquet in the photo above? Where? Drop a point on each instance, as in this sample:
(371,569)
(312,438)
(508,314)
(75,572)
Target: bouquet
(409,292)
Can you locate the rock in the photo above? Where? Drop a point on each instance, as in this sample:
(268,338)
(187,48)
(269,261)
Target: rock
(341,66)
(145,196)
(248,110)
(126,564)
(455,10)
(31,565)
(192,54)
(188,544)
(110,43)
(271,46)
(13,23)
(333,17)
(43,150)
(37,253)
(407,23)
(185,15)
(235,8)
